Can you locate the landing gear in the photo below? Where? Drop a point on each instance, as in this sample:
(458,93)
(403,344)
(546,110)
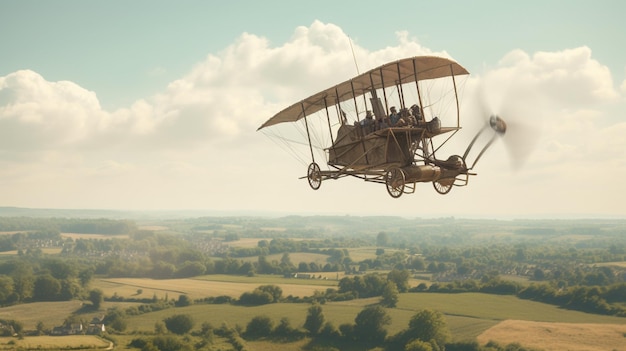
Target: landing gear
(443,186)
(314,176)
(395,179)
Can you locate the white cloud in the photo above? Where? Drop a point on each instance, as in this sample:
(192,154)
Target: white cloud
(196,142)
(35,113)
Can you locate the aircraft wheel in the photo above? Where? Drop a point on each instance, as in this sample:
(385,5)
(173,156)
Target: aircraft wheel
(443,186)
(314,176)
(394,179)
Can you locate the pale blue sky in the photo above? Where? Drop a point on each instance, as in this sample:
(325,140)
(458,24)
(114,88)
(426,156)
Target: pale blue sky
(155,104)
(125,50)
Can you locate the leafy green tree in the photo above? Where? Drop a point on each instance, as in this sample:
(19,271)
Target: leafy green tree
(70,288)
(418,345)
(85,276)
(329,331)
(96,296)
(370,324)
(179,323)
(11,326)
(259,326)
(382,239)
(427,325)
(183,300)
(116,320)
(191,269)
(274,290)
(390,295)
(284,328)
(60,269)
(41,328)
(314,319)
(169,343)
(163,270)
(417,263)
(23,285)
(159,328)
(255,298)
(400,278)
(46,288)
(6,288)
(303,267)
(264,266)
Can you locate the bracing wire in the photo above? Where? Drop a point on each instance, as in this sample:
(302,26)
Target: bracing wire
(354,56)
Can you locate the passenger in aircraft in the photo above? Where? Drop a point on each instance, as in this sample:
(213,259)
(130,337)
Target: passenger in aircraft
(417,113)
(393,117)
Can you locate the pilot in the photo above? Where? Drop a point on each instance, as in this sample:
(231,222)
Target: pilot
(368,122)
(394,116)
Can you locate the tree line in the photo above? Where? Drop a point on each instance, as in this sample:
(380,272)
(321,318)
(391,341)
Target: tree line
(68,225)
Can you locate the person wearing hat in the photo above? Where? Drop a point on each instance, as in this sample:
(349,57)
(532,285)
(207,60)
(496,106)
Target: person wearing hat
(394,116)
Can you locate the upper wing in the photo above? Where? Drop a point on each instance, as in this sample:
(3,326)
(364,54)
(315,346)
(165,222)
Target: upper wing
(407,70)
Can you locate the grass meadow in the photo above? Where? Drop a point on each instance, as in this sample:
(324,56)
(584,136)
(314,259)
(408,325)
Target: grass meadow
(469,316)
(52,314)
(73,342)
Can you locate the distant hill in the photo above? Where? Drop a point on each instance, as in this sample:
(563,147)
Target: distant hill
(68,213)
(125,214)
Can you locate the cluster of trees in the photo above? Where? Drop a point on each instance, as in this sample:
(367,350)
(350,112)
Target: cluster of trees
(67,225)
(27,279)
(30,243)
(262,295)
(373,284)
(426,327)
(335,248)
(426,331)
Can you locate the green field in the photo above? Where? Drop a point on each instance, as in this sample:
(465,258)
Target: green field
(467,315)
(52,313)
(72,342)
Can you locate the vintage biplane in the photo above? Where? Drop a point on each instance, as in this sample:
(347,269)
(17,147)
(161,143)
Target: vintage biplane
(354,128)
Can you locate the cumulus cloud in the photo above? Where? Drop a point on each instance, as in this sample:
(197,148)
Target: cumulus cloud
(204,123)
(35,113)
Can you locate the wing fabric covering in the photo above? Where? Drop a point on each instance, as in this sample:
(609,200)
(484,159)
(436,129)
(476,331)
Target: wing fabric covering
(403,71)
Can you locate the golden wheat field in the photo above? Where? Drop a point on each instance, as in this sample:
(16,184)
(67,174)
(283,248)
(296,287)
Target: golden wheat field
(194,288)
(558,336)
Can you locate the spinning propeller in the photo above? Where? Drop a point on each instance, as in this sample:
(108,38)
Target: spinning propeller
(518,132)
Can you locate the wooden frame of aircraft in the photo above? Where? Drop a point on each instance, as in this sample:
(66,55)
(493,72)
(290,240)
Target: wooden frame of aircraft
(398,155)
